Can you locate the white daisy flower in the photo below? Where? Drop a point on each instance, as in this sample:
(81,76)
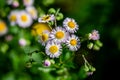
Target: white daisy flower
(59,34)
(46,18)
(13,17)
(70,25)
(73,43)
(24,19)
(28,2)
(44,38)
(3,28)
(32,11)
(53,49)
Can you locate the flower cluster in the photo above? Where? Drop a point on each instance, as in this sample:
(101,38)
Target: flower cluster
(24,18)
(33,32)
(53,40)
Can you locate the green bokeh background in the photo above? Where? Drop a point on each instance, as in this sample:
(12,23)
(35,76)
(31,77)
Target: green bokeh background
(103,15)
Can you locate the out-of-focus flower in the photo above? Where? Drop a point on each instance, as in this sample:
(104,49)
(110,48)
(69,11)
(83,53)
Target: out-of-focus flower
(28,2)
(8,37)
(24,19)
(94,35)
(22,42)
(73,43)
(39,28)
(3,28)
(53,49)
(13,17)
(9,2)
(70,25)
(59,34)
(46,18)
(44,38)
(47,63)
(32,11)
(15,3)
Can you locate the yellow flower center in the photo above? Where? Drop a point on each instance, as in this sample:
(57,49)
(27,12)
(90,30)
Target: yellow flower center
(44,37)
(73,42)
(24,18)
(53,49)
(39,28)
(2,26)
(71,24)
(13,18)
(59,34)
(46,18)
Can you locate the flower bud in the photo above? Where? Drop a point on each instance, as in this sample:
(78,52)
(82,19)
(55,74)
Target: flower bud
(22,42)
(90,45)
(96,47)
(52,11)
(86,68)
(59,16)
(99,43)
(47,63)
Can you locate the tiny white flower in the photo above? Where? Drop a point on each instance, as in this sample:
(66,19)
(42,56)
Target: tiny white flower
(13,17)
(44,38)
(53,49)
(22,42)
(46,18)
(73,43)
(94,35)
(59,34)
(70,25)
(24,19)
(32,11)
(3,28)
(28,2)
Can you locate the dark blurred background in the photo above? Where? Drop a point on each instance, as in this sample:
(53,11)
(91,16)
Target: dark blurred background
(103,15)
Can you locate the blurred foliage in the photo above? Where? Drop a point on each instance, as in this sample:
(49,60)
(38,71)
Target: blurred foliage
(103,15)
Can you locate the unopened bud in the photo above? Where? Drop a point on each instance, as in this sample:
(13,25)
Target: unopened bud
(96,47)
(52,11)
(99,43)
(90,45)
(47,63)
(59,16)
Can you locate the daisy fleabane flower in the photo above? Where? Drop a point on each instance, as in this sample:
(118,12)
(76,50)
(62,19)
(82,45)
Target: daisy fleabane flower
(53,49)
(24,19)
(46,18)
(28,2)
(44,38)
(73,43)
(94,35)
(32,11)
(59,34)
(70,25)
(13,17)
(3,28)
